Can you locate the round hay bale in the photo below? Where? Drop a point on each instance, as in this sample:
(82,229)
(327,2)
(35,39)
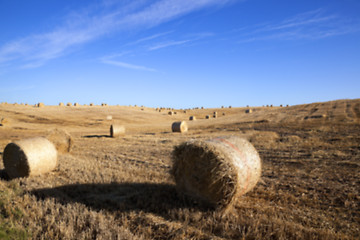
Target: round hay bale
(61,104)
(4,121)
(40,105)
(116,130)
(91,104)
(76,104)
(192,118)
(109,117)
(216,171)
(69,104)
(207,116)
(29,157)
(248,111)
(171,113)
(179,127)
(61,139)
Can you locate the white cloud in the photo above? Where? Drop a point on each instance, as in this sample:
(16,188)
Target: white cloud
(168,44)
(95,22)
(128,65)
(309,25)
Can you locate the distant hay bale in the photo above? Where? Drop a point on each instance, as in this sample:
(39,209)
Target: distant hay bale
(217,171)
(4,121)
(214,115)
(179,127)
(91,104)
(40,105)
(207,116)
(171,113)
(230,107)
(192,118)
(281,105)
(61,104)
(175,112)
(69,104)
(223,114)
(248,111)
(109,117)
(76,104)
(116,130)
(29,157)
(61,139)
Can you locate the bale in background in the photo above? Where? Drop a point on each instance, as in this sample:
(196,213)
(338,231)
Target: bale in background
(109,117)
(192,118)
(29,157)
(4,121)
(40,105)
(61,104)
(69,104)
(61,139)
(116,130)
(216,171)
(207,116)
(76,104)
(179,127)
(248,111)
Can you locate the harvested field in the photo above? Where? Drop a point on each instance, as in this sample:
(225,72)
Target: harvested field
(122,188)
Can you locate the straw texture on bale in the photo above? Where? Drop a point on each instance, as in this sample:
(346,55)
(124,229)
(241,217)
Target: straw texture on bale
(192,118)
(61,139)
(179,127)
(216,171)
(116,130)
(29,157)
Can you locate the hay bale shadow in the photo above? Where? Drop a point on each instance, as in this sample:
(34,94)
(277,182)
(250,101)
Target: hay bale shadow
(3,175)
(124,197)
(96,136)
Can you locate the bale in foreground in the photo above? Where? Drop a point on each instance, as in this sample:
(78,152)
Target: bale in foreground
(116,130)
(216,171)
(29,157)
(179,127)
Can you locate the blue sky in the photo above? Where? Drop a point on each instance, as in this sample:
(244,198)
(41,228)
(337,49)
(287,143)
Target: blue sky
(179,53)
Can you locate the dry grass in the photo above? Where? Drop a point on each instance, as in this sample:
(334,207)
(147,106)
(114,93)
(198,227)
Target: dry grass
(110,188)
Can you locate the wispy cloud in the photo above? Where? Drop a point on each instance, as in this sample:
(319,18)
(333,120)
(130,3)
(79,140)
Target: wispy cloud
(94,22)
(168,44)
(110,61)
(309,25)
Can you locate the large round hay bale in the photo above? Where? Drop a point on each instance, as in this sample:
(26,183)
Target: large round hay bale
(61,104)
(61,139)
(91,104)
(179,127)
(170,113)
(248,111)
(207,116)
(29,157)
(216,171)
(192,118)
(40,105)
(116,130)
(76,104)
(69,104)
